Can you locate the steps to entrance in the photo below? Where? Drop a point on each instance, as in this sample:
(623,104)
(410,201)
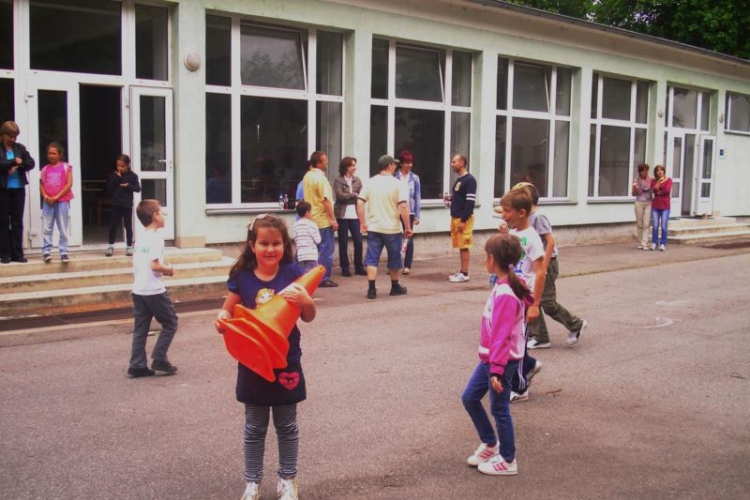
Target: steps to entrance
(702,231)
(92,282)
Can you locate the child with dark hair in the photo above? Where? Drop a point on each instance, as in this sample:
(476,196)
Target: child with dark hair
(306,237)
(265,269)
(150,297)
(55,189)
(121,185)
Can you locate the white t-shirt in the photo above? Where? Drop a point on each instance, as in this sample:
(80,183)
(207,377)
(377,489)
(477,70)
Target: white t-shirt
(533,249)
(148,247)
(383,193)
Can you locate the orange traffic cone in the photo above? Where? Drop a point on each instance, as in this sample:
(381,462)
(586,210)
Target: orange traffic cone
(257,338)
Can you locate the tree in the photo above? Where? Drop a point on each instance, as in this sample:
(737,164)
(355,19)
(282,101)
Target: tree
(573,8)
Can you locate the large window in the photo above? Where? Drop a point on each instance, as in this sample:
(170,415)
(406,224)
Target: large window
(737,113)
(6,34)
(619,127)
(262,127)
(421,102)
(151,52)
(688,109)
(532,132)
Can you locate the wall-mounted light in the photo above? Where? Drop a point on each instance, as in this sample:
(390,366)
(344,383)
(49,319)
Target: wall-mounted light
(660,112)
(192,61)
(721,118)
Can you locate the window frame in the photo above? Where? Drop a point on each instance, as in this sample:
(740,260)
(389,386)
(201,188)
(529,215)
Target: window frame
(728,114)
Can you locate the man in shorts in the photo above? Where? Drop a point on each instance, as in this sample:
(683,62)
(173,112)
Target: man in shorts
(387,201)
(462,198)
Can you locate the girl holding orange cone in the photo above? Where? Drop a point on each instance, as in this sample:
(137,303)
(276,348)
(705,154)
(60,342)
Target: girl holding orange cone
(265,269)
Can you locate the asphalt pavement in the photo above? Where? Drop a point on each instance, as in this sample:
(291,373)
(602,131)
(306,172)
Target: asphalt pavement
(652,403)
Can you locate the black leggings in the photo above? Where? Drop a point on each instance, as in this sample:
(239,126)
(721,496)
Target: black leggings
(124,214)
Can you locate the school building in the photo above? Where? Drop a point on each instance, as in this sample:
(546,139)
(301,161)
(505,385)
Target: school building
(220,102)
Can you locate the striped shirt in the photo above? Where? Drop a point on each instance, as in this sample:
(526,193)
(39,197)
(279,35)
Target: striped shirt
(307,239)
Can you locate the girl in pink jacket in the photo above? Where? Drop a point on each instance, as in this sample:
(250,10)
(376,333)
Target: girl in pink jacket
(501,347)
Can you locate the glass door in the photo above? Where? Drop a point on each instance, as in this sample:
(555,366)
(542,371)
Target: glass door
(675,163)
(152,126)
(53,116)
(704,199)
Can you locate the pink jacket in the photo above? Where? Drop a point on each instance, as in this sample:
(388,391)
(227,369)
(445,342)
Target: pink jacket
(662,195)
(503,323)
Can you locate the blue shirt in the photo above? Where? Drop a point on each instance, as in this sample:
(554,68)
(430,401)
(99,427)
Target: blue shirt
(14,180)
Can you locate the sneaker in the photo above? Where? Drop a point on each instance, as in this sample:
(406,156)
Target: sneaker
(328,284)
(482,454)
(47,258)
(662,247)
(140,372)
(497,466)
(535,344)
(252,491)
(346,273)
(398,290)
(458,278)
(5,260)
(64,258)
(653,246)
(407,271)
(645,247)
(372,293)
(110,252)
(537,368)
(519,398)
(288,489)
(129,251)
(574,335)
(21,259)
(164,366)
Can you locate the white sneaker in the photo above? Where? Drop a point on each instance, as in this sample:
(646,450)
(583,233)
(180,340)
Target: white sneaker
(288,489)
(537,368)
(653,246)
(458,278)
(482,454)
(535,344)
(252,492)
(662,247)
(519,398)
(497,466)
(573,336)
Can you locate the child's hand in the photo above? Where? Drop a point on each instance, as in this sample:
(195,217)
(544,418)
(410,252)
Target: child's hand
(168,271)
(503,228)
(296,295)
(533,313)
(223,314)
(497,385)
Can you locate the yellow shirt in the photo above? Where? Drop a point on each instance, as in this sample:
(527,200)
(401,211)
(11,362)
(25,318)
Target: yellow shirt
(383,193)
(316,189)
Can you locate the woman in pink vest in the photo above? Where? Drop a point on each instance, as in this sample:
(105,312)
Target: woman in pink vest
(55,187)
(662,188)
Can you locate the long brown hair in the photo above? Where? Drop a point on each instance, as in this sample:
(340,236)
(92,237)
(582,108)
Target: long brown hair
(507,251)
(247,261)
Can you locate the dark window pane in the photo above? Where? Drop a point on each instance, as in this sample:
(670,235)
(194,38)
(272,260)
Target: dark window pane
(531,86)
(423,133)
(154,189)
(378,136)
(562,151)
(218,148)
(595,96)
(685,108)
(151,42)
(7,103)
(529,152)
(328,125)
(500,144)
(614,161)
(461,79)
(274,147)
(77,35)
(502,84)
(329,63)
(218,50)
(379,87)
(53,121)
(564,82)
(739,112)
(616,99)
(153,134)
(6,34)
(271,58)
(641,106)
(592,157)
(419,74)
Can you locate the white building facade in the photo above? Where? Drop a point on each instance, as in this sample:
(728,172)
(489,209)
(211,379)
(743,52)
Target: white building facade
(220,102)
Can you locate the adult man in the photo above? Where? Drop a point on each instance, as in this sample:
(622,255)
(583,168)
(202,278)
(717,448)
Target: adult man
(318,193)
(462,198)
(387,200)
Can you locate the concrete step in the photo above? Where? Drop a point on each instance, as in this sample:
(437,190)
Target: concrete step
(116,276)
(708,229)
(103,297)
(699,222)
(700,239)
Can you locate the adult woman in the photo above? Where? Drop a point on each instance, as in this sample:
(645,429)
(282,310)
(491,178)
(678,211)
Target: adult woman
(346,188)
(15,161)
(415,199)
(643,194)
(662,187)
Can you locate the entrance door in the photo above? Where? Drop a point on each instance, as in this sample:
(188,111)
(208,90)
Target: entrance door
(674,166)
(681,167)
(704,193)
(151,123)
(53,116)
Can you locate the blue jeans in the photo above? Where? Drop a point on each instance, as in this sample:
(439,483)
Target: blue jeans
(476,388)
(660,218)
(57,214)
(347,226)
(325,251)
(392,244)
(409,257)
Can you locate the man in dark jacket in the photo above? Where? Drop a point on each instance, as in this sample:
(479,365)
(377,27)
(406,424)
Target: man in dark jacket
(15,161)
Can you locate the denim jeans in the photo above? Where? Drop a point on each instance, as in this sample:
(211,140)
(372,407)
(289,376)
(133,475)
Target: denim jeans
(660,220)
(346,227)
(57,214)
(476,388)
(325,251)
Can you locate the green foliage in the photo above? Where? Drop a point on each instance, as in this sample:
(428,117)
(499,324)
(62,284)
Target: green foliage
(718,25)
